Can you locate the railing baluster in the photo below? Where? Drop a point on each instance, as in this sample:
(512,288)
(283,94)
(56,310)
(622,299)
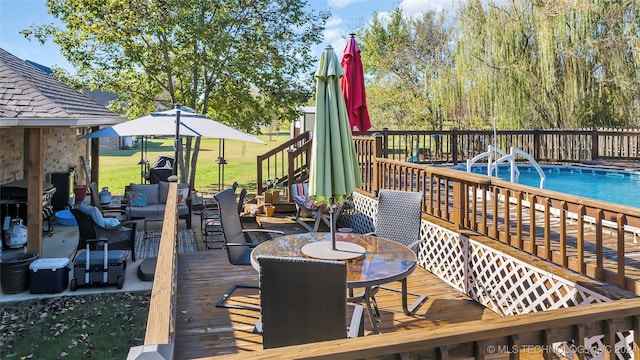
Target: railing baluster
(563,233)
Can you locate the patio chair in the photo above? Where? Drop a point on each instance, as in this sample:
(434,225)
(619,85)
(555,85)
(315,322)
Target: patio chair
(106,210)
(241,197)
(91,226)
(304,300)
(300,195)
(236,242)
(399,219)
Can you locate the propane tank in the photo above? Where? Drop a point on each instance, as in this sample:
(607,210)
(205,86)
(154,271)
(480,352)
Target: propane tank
(105,196)
(18,234)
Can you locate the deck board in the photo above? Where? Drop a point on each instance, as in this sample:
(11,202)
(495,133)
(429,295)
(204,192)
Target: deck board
(205,330)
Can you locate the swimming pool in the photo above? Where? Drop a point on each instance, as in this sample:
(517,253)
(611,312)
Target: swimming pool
(616,186)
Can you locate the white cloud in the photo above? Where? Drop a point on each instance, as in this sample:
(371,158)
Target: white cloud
(331,35)
(342,3)
(333,22)
(420,6)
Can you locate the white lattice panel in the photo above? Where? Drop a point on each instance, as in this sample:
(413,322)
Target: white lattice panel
(500,282)
(442,253)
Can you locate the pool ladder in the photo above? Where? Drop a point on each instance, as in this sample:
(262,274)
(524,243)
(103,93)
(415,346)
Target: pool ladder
(492,165)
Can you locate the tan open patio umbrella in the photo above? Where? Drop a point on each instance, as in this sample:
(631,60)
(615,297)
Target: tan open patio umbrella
(334,171)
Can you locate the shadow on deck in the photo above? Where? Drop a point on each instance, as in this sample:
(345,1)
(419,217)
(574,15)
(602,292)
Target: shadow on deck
(202,329)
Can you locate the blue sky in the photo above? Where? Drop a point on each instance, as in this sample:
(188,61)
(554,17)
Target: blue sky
(347,15)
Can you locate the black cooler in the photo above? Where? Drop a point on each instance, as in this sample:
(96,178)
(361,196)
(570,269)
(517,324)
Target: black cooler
(48,275)
(104,268)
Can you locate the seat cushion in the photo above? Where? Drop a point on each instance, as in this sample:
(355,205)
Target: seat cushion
(149,211)
(153,211)
(183,209)
(163,191)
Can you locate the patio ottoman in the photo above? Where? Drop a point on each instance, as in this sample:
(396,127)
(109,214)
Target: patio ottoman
(49,275)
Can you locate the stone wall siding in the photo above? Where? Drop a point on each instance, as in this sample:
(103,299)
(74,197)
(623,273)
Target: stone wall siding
(110,143)
(61,152)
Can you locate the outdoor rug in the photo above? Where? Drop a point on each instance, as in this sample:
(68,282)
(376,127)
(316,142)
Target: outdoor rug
(147,245)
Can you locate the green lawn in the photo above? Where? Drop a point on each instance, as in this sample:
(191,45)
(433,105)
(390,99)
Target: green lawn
(119,168)
(102,326)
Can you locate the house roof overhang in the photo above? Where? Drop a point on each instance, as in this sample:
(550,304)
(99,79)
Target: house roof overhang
(30,97)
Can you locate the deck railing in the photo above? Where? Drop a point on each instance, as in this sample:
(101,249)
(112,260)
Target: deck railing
(529,336)
(291,159)
(556,226)
(160,332)
(289,163)
(549,146)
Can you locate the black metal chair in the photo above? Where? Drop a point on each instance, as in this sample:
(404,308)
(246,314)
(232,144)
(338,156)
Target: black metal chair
(405,205)
(236,242)
(120,237)
(241,197)
(304,300)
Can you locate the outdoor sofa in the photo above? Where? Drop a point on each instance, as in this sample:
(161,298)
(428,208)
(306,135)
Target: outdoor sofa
(148,201)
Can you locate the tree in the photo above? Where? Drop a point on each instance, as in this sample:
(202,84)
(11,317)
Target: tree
(403,55)
(238,61)
(548,64)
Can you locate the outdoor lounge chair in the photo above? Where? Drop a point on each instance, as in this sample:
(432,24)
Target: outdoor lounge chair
(300,195)
(304,300)
(119,237)
(236,243)
(399,219)
(106,210)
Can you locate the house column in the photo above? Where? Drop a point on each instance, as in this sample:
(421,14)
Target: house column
(35,173)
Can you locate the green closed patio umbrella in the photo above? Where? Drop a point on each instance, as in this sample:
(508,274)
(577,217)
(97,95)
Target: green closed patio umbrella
(334,171)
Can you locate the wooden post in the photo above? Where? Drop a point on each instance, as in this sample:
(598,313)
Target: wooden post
(260,189)
(385,142)
(458,204)
(595,144)
(454,146)
(95,158)
(35,170)
(536,145)
(290,174)
(377,152)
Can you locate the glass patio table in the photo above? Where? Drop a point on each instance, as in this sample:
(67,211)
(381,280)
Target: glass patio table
(384,261)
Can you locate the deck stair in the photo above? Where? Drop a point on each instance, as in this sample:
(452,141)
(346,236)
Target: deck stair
(288,162)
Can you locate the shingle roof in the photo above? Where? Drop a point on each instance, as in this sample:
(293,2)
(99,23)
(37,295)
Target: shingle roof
(31,97)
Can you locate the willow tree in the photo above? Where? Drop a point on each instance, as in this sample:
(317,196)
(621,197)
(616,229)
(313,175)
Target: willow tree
(548,64)
(403,55)
(238,61)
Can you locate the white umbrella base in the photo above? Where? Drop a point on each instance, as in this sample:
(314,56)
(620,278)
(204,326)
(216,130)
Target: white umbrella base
(324,250)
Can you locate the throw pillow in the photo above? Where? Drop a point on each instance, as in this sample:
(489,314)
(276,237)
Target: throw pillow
(183,194)
(138,198)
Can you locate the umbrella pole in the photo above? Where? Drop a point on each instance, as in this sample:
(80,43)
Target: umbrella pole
(177,144)
(332,231)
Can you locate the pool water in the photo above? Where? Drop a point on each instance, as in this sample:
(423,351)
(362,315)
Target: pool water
(616,186)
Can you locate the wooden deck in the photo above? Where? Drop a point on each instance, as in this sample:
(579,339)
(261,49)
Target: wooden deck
(202,329)
(610,244)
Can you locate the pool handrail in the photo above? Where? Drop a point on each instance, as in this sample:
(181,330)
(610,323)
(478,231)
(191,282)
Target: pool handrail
(514,171)
(533,162)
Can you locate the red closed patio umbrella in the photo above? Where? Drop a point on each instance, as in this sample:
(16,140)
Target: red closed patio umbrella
(352,84)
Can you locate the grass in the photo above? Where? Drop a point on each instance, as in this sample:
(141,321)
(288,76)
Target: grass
(73,327)
(119,168)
